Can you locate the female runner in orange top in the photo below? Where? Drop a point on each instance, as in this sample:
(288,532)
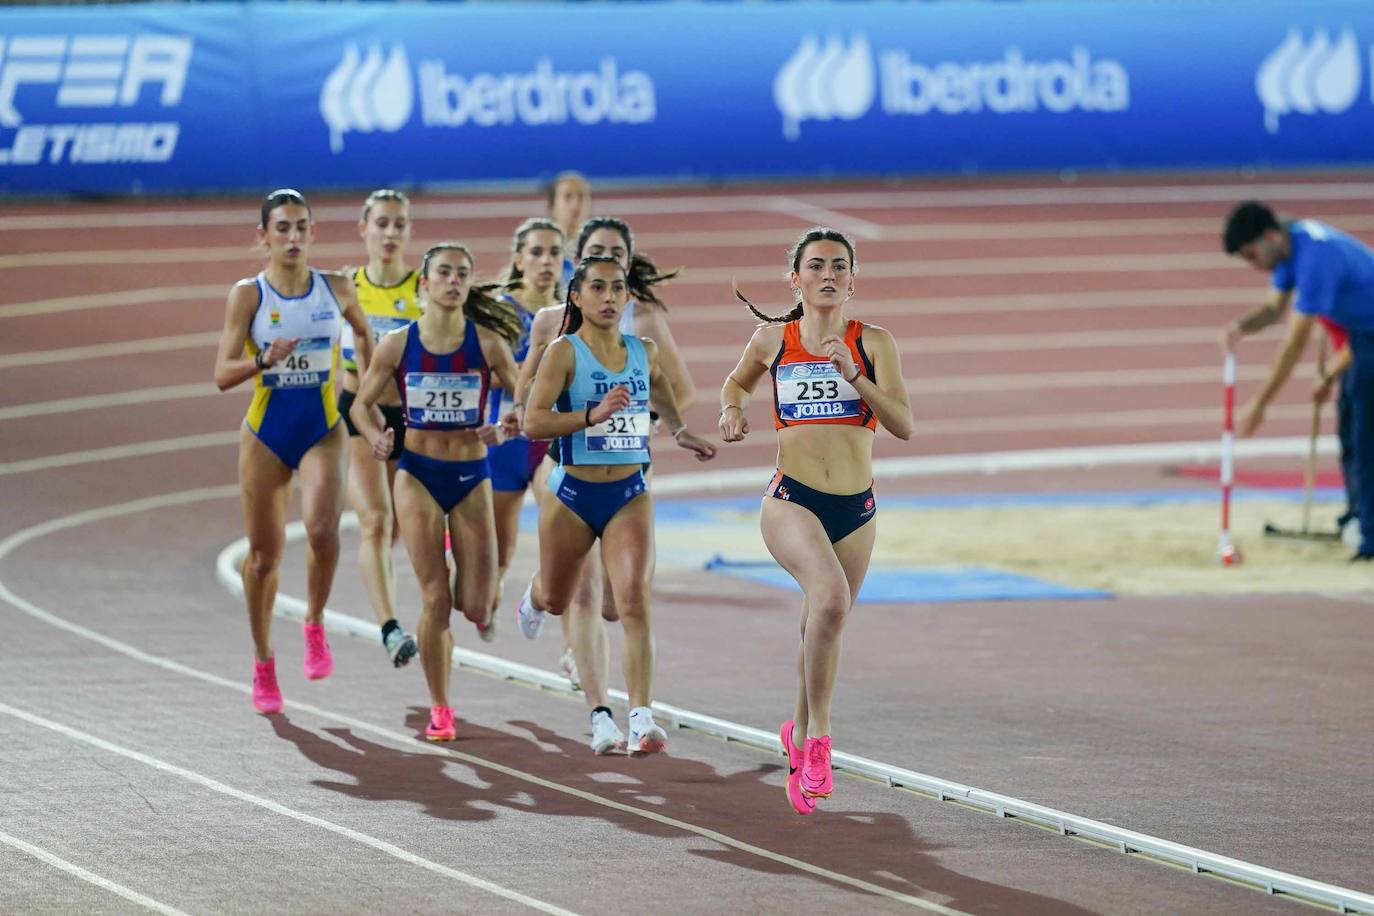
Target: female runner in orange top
(834,379)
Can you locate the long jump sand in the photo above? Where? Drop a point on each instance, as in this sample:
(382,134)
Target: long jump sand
(1157,549)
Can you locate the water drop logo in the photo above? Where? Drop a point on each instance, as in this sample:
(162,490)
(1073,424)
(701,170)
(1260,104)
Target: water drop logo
(1302,77)
(824,82)
(366,93)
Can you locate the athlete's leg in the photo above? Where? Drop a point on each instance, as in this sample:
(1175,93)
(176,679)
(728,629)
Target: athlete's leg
(265,489)
(627,550)
(473,534)
(564,542)
(422,528)
(796,539)
(506,505)
(369,493)
(585,634)
(321,479)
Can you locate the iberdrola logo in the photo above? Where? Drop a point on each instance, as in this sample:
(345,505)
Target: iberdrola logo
(275,316)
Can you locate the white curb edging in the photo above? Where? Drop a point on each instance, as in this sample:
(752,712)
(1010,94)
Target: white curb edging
(1199,861)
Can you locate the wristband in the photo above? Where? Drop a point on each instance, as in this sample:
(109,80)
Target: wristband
(258,361)
(679,431)
(857,372)
(587,417)
(729,407)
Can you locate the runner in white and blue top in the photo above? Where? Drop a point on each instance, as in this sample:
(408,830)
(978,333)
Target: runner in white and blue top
(592,392)
(1323,273)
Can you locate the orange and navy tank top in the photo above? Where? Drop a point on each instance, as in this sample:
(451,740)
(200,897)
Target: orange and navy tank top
(443,390)
(808,389)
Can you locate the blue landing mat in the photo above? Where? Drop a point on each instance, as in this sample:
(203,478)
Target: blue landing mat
(969,583)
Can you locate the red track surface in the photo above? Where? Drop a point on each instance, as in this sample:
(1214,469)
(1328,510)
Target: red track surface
(1239,726)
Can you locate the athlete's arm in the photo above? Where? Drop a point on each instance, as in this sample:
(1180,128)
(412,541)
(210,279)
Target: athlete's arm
(552,379)
(664,400)
(344,290)
(1299,329)
(740,383)
(652,322)
(497,353)
(543,331)
(364,412)
(886,392)
(232,365)
(1275,304)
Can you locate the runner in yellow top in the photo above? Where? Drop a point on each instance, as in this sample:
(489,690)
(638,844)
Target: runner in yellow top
(388,291)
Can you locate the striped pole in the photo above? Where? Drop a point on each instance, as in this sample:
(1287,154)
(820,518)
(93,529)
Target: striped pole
(1227,553)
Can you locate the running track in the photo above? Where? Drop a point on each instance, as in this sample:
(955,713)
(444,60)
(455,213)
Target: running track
(1030,315)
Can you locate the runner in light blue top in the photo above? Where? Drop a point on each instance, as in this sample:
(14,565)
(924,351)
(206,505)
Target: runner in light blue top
(592,392)
(1323,273)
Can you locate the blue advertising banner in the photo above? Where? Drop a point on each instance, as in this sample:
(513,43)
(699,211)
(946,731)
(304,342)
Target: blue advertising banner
(216,97)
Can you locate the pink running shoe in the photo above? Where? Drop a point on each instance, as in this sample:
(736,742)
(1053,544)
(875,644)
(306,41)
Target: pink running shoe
(440,727)
(319,663)
(801,803)
(816,778)
(266,693)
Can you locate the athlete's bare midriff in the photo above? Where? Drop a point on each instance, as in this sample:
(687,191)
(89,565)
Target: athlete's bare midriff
(830,457)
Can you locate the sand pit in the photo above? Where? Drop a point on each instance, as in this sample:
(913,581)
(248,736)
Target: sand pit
(1163,548)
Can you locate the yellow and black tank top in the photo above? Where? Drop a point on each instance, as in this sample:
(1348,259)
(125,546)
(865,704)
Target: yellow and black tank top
(386,308)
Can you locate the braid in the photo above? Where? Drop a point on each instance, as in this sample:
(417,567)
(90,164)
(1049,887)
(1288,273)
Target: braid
(790,316)
(815,234)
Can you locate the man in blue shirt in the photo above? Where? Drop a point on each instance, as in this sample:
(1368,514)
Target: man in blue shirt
(1332,275)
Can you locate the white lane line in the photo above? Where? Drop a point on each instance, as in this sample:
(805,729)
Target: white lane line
(691,201)
(401,739)
(107,350)
(730,311)
(116,452)
(1107,194)
(818,215)
(917,268)
(90,877)
(963,384)
(215,785)
(714,239)
(112,299)
(1001,343)
(1124,840)
(103,401)
(1062,381)
(925,428)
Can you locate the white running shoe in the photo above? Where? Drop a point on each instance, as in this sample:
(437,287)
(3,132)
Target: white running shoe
(606,735)
(530,617)
(567,666)
(645,736)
